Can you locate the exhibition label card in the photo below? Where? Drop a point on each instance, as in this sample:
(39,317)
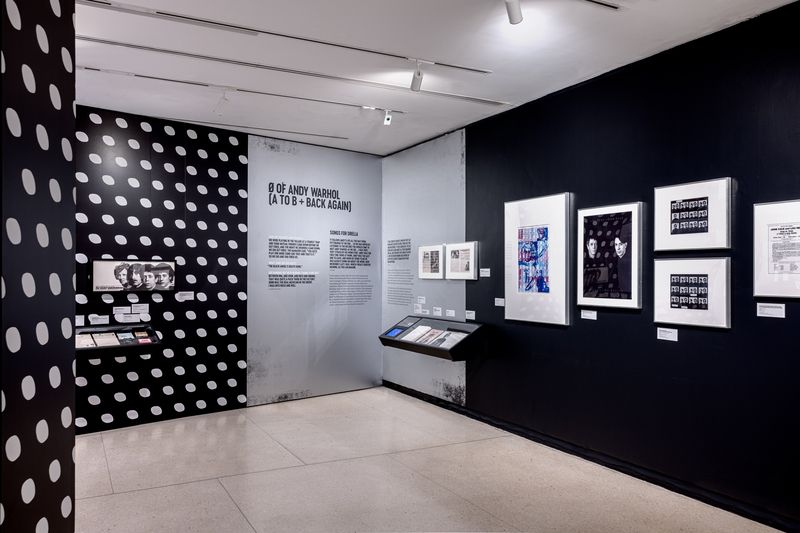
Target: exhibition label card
(425,311)
(486,272)
(499,302)
(437,311)
(98,320)
(140,308)
(667,334)
(417,309)
(183,296)
(470,315)
(451,313)
(588,314)
(121,310)
(126,318)
(79,320)
(771,310)
(420,299)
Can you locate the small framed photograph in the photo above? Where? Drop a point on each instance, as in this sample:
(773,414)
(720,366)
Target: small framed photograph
(694,292)
(776,249)
(693,216)
(462,260)
(430,262)
(610,256)
(537,258)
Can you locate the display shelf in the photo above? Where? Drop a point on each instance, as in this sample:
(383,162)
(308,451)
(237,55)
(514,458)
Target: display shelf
(446,339)
(127,337)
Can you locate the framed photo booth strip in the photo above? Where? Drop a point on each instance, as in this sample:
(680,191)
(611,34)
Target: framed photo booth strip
(461,260)
(693,216)
(537,258)
(693,292)
(610,256)
(776,249)
(430,262)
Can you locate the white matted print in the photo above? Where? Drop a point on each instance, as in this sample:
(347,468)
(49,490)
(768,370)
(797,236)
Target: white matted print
(462,260)
(694,292)
(430,262)
(693,216)
(537,257)
(776,249)
(610,256)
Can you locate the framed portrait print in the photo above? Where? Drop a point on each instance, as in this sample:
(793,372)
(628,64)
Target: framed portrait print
(430,262)
(776,249)
(537,259)
(461,260)
(610,256)
(693,216)
(694,292)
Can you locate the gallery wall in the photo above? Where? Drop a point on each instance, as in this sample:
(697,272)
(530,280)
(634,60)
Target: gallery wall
(713,415)
(38,390)
(155,189)
(314,276)
(423,204)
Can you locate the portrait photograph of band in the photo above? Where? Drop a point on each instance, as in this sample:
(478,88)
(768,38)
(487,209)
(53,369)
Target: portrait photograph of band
(133,275)
(609,256)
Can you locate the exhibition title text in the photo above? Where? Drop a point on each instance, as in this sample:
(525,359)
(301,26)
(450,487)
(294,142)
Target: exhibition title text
(305,196)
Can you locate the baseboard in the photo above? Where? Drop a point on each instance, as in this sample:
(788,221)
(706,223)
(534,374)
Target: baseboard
(712,498)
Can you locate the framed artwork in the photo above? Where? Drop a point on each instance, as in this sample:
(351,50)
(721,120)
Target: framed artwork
(132,275)
(694,292)
(693,216)
(610,256)
(776,249)
(430,262)
(461,260)
(537,257)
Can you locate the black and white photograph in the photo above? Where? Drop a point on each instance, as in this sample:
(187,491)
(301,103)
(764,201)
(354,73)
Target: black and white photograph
(132,276)
(693,292)
(430,264)
(609,256)
(462,260)
(693,216)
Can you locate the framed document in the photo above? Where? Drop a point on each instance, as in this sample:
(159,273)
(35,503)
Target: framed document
(776,249)
(430,262)
(693,216)
(694,292)
(610,256)
(461,260)
(537,259)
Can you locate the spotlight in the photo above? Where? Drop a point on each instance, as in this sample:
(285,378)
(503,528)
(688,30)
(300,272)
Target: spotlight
(387,118)
(416,81)
(514,11)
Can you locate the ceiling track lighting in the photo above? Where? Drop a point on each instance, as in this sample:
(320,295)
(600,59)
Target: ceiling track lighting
(416,79)
(236,28)
(227,88)
(514,10)
(387,118)
(319,75)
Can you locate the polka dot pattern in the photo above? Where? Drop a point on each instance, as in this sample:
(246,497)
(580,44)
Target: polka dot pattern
(138,199)
(38,297)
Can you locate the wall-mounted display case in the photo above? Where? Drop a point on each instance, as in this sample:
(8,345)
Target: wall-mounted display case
(447,339)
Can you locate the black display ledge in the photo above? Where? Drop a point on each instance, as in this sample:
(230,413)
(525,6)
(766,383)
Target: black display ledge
(132,329)
(472,343)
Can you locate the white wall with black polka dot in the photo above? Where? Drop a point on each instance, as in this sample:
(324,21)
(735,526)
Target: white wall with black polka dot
(38,435)
(150,189)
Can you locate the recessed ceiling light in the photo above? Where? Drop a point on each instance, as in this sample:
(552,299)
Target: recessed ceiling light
(514,11)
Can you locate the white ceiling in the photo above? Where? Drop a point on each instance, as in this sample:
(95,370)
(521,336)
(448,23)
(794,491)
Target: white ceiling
(559,43)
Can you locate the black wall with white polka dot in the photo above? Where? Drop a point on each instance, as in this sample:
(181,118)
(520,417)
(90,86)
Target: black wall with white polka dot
(38,435)
(152,189)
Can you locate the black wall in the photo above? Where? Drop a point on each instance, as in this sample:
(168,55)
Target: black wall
(715,414)
(38,399)
(178,193)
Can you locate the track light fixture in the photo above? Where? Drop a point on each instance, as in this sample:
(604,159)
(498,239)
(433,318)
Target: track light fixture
(416,80)
(387,118)
(514,11)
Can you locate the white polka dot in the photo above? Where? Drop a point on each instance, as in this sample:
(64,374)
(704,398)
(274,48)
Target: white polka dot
(145,164)
(66,58)
(66,239)
(109,140)
(243,193)
(180,224)
(81,136)
(145,240)
(121,239)
(169,130)
(66,506)
(233,140)
(133,298)
(133,143)
(82,177)
(108,180)
(54,471)
(145,203)
(42,138)
(41,38)
(169,167)
(81,381)
(66,327)
(212,208)
(108,219)
(120,161)
(233,175)
(42,333)
(107,298)
(180,150)
(107,418)
(28,79)
(94,238)
(55,191)
(201,224)
(213,172)
(28,285)
(42,235)
(28,491)
(96,159)
(191,206)
(223,156)
(80,421)
(169,241)
(202,153)
(133,221)
(13,14)
(121,200)
(55,97)
(121,122)
(66,149)
(55,284)
(157,297)
(13,123)
(94,117)
(132,415)
(157,185)
(42,431)
(169,204)
(180,187)
(13,448)
(55,5)
(28,181)
(66,417)
(93,399)
(191,170)
(95,198)
(243,159)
